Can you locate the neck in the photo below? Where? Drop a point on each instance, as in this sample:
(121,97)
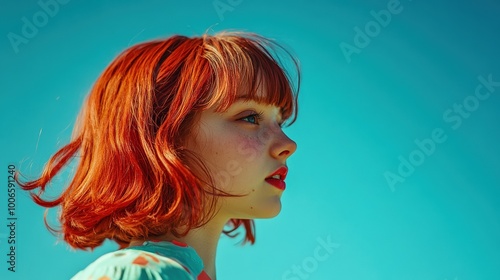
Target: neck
(205,240)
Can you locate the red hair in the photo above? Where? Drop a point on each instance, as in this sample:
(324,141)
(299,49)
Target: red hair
(132,179)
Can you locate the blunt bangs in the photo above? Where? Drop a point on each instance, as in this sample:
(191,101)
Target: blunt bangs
(249,66)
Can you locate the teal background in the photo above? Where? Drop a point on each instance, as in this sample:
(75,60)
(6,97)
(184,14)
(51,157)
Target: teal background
(356,121)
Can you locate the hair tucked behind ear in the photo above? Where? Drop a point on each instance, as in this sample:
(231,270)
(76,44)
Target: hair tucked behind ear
(132,179)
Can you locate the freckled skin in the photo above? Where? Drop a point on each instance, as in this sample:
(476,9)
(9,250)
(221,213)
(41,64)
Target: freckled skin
(240,154)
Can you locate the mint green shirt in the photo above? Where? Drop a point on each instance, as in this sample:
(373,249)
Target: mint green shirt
(153,260)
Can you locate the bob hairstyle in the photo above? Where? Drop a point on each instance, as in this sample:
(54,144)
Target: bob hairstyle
(132,179)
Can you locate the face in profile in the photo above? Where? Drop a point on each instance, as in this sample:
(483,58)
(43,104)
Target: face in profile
(241,147)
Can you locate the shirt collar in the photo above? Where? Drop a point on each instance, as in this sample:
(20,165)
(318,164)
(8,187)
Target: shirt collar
(181,252)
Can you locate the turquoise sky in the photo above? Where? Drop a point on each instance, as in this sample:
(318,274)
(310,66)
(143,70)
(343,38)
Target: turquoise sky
(398,160)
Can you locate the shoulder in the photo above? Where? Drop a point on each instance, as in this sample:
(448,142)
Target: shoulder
(133,264)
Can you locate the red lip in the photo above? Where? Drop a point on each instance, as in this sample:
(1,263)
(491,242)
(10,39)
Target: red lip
(278,183)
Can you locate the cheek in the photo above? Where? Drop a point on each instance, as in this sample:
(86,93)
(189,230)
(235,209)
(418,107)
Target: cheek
(237,150)
(249,148)
(233,160)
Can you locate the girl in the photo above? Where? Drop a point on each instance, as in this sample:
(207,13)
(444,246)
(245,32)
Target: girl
(179,140)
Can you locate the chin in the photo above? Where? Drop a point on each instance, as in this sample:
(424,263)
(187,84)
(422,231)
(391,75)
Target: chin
(270,211)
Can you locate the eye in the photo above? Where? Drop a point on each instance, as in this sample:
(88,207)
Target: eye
(253,118)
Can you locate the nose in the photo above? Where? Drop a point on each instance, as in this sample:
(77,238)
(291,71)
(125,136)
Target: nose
(283,147)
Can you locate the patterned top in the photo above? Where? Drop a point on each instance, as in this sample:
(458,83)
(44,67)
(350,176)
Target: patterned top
(154,260)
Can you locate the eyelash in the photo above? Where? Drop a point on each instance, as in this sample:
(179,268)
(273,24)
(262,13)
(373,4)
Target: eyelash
(258,117)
